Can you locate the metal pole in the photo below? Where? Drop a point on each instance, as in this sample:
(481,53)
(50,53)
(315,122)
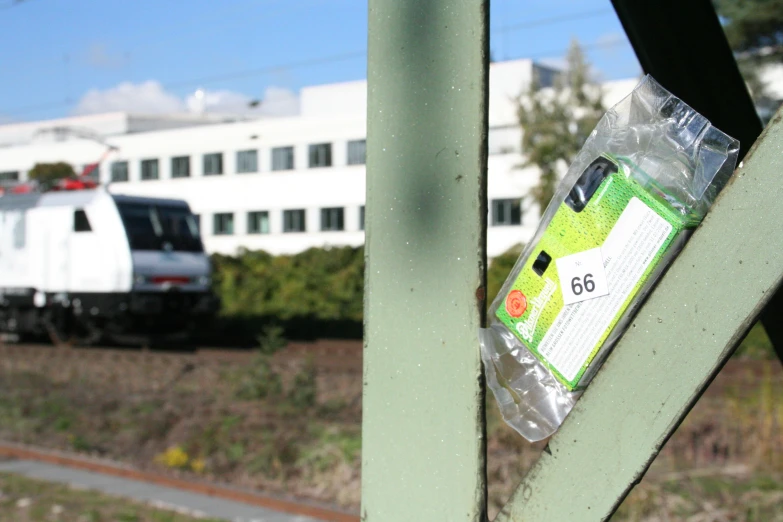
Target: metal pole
(423,426)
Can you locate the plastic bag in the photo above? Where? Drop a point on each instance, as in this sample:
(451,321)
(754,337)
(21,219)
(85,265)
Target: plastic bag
(643,181)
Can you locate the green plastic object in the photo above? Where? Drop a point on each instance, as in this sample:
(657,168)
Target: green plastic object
(619,206)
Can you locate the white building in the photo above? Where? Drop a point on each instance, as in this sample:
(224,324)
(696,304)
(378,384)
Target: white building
(280,184)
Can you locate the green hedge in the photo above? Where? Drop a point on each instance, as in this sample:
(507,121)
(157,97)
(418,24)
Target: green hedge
(327,284)
(317,285)
(319,291)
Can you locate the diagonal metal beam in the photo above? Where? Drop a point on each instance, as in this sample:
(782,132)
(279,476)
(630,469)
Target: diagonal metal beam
(680,339)
(423,443)
(683,46)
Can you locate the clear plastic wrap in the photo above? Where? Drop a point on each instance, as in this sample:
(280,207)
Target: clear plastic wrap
(641,184)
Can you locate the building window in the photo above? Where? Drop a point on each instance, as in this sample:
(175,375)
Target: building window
(320,155)
(283,158)
(357,152)
(213,164)
(332,219)
(223,224)
(119,171)
(180,167)
(9,176)
(149,169)
(247,161)
(361,217)
(197,221)
(506,212)
(258,222)
(80,221)
(294,220)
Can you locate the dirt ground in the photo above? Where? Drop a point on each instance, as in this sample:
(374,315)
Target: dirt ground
(291,424)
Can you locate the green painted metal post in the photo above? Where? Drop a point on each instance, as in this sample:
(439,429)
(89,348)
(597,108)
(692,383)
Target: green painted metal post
(423,427)
(681,337)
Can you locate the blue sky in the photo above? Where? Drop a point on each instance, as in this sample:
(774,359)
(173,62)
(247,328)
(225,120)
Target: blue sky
(62,57)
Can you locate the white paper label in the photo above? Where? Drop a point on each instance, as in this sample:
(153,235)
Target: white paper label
(627,252)
(582,276)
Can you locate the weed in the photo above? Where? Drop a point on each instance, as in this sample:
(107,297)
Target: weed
(230,421)
(330,447)
(303,392)
(207,442)
(271,340)
(62,424)
(235,452)
(79,443)
(259,381)
(91,515)
(332,407)
(274,456)
(127,516)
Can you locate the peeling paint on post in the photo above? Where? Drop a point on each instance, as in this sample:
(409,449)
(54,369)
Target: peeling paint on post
(682,336)
(423,427)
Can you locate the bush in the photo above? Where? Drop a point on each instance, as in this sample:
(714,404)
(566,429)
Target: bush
(322,284)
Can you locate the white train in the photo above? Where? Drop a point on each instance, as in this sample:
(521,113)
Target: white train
(91,265)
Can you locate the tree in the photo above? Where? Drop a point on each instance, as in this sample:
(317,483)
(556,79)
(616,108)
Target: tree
(50,172)
(751,25)
(754,29)
(556,122)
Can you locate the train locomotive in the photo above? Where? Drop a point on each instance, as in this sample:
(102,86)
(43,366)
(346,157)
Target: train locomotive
(89,266)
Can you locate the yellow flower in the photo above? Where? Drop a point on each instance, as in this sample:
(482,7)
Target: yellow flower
(174,457)
(198,465)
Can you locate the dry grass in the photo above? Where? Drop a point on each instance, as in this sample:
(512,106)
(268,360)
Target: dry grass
(275,437)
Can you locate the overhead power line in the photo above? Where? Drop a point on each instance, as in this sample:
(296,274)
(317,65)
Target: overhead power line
(245,73)
(204,80)
(267,70)
(555,20)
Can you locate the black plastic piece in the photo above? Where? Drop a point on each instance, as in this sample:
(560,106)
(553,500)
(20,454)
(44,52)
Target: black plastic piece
(589,182)
(706,77)
(541,263)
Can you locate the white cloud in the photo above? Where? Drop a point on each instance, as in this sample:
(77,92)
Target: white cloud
(276,101)
(147,97)
(151,97)
(218,101)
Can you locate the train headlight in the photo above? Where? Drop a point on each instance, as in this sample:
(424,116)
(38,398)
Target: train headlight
(204,280)
(139,280)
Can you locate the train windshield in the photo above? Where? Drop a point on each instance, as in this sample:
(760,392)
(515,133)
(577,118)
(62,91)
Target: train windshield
(160,227)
